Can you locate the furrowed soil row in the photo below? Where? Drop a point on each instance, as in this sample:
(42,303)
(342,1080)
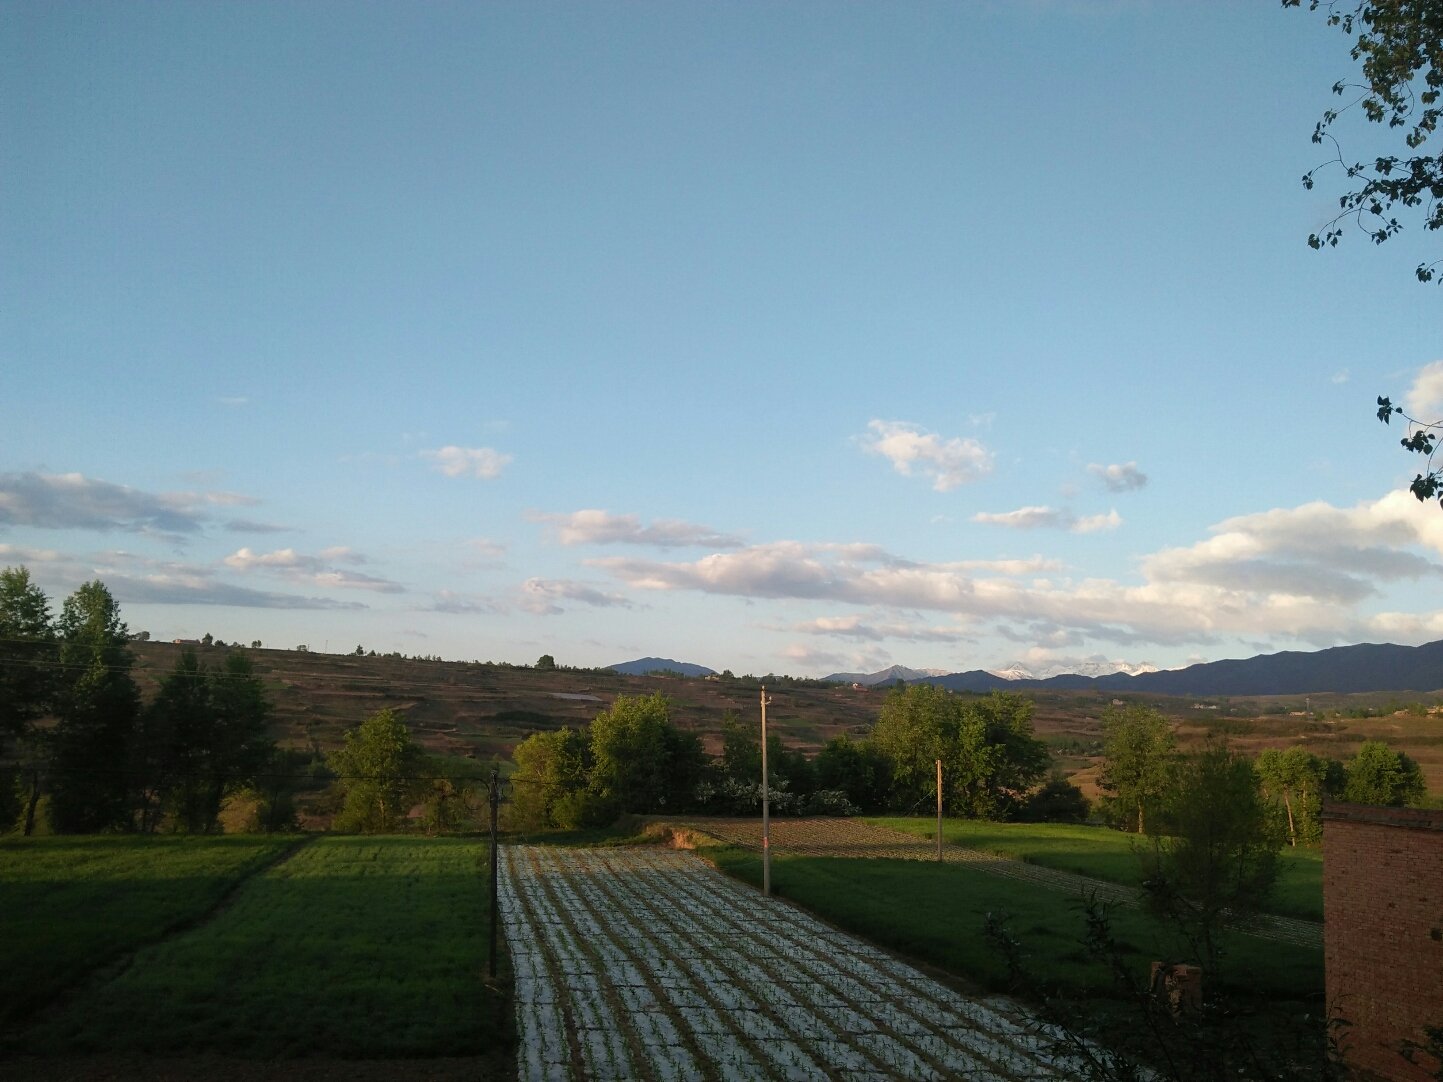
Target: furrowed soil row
(849,838)
(699,977)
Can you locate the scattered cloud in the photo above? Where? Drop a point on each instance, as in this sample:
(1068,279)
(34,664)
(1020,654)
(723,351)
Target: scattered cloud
(857,626)
(72,501)
(1424,399)
(1049,518)
(235,401)
(20,554)
(1119,477)
(950,463)
(1096,523)
(546,596)
(246,525)
(465,604)
(481,462)
(1342,375)
(593,527)
(319,570)
(1296,572)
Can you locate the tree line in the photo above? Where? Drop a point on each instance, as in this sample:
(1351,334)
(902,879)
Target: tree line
(634,758)
(1144,768)
(110,762)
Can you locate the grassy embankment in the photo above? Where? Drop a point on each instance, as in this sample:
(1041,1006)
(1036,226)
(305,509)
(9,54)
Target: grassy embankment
(351,948)
(1111,855)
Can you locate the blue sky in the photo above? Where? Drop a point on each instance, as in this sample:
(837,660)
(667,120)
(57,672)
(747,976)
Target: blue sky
(792,338)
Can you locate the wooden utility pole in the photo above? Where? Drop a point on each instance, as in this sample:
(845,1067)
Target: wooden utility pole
(766,808)
(939,811)
(495,915)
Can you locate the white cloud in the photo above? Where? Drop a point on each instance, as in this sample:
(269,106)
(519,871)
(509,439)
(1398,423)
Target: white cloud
(950,463)
(485,463)
(857,626)
(1424,399)
(596,527)
(1096,523)
(1297,572)
(545,596)
(1051,518)
(1341,376)
(1026,518)
(318,570)
(1119,477)
(72,501)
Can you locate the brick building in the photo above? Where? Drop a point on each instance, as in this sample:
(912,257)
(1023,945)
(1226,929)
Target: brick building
(1383,932)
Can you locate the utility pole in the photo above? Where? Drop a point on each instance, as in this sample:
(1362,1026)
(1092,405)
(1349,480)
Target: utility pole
(766,807)
(495,916)
(939,811)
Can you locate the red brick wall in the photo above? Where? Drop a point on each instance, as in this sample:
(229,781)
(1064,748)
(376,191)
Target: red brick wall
(1383,931)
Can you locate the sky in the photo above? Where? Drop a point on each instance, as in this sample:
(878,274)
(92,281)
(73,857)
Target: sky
(792,338)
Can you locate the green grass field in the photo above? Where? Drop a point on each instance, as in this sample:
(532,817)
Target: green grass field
(72,904)
(1111,855)
(936,913)
(351,948)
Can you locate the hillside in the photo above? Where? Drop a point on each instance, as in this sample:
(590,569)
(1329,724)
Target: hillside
(482,711)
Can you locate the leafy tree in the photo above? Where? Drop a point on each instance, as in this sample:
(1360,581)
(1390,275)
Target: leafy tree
(989,756)
(856,768)
(550,767)
(28,652)
(207,639)
(1378,774)
(97,705)
(171,730)
(1214,855)
(1295,779)
(629,754)
(1400,46)
(545,663)
(1024,760)
(1139,749)
(1059,801)
(376,770)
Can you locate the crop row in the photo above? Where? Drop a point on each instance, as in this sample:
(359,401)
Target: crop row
(647,963)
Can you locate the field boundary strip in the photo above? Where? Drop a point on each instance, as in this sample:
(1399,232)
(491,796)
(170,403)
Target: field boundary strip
(849,839)
(111,966)
(647,963)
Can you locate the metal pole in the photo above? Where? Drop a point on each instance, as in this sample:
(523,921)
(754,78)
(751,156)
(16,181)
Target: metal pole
(766,808)
(495,916)
(939,811)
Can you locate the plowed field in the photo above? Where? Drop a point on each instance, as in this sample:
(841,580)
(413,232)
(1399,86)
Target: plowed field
(646,963)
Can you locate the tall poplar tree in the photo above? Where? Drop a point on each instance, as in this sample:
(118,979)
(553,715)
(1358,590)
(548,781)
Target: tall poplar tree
(97,704)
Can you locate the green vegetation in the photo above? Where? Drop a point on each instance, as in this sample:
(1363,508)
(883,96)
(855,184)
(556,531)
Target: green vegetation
(1139,746)
(990,757)
(937,913)
(1214,855)
(354,947)
(1111,855)
(72,904)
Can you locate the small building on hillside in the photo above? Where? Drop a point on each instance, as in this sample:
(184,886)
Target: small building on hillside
(1383,934)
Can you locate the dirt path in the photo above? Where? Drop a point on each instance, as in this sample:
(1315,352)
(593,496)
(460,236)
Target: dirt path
(853,838)
(647,963)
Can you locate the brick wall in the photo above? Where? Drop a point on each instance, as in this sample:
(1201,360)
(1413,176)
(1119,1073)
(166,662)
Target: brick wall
(1383,931)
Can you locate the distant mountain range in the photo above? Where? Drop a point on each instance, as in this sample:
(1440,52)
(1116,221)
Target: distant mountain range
(886,676)
(1341,669)
(1093,666)
(642,666)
